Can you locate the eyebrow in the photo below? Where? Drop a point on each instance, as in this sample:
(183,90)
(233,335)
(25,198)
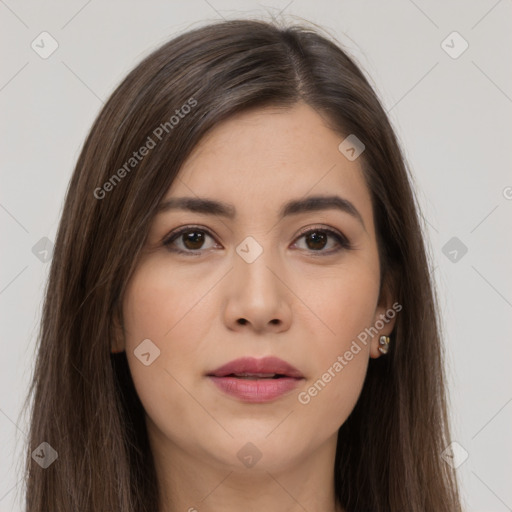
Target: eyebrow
(296,206)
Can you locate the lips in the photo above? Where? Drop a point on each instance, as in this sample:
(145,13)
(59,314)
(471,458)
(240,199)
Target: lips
(249,367)
(256,380)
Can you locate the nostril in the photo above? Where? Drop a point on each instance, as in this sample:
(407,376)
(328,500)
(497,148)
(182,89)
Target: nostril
(242,321)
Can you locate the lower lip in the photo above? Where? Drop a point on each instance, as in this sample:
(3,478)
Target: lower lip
(255,391)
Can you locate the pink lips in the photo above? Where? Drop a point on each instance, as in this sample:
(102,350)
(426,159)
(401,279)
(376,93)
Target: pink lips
(256,380)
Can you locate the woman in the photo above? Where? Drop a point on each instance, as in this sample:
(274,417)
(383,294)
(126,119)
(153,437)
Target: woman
(239,313)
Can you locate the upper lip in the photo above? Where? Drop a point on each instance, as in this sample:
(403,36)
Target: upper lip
(265,365)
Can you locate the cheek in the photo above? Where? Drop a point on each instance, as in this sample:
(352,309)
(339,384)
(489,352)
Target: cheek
(159,307)
(346,307)
(159,303)
(341,362)
(330,399)
(163,310)
(344,303)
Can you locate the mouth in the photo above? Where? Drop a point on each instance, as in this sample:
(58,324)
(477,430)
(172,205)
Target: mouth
(256,376)
(256,380)
(252,368)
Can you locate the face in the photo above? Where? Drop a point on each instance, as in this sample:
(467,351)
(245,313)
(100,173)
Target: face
(250,282)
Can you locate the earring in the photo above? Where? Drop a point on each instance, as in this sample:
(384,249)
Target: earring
(384,342)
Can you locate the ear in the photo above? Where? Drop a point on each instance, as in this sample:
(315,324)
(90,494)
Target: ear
(385,313)
(117,344)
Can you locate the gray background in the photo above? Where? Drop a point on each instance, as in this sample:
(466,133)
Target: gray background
(452,116)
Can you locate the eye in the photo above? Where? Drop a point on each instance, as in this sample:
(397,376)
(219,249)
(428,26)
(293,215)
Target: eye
(317,239)
(188,240)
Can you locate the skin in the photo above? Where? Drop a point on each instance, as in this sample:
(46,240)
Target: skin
(303,305)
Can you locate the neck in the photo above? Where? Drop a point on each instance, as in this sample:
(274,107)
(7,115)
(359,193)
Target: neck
(202,482)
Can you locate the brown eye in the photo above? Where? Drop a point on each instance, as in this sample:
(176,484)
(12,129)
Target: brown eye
(193,239)
(316,240)
(189,240)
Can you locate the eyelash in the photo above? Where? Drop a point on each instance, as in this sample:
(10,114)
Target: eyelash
(343,242)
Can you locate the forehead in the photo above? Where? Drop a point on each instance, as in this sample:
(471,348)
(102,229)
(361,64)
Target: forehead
(268,156)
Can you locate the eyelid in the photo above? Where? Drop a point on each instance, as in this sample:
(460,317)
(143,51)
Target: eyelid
(341,238)
(175,234)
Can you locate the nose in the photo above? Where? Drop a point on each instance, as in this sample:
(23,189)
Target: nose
(257,296)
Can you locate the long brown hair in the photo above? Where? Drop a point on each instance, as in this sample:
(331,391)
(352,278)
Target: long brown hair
(84,402)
